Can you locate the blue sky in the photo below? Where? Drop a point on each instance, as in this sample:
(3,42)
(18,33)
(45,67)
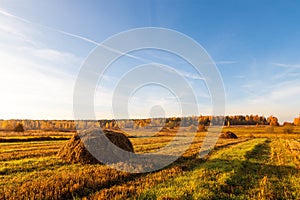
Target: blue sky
(255,45)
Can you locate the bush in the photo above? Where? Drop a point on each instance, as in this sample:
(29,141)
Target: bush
(288,128)
(19,128)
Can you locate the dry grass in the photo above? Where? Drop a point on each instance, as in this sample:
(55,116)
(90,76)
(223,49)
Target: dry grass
(15,151)
(35,133)
(242,171)
(32,171)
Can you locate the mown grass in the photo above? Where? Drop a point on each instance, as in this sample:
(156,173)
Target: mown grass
(249,170)
(208,179)
(34,133)
(23,150)
(263,131)
(241,168)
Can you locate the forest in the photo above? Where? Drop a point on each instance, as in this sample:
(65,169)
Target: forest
(71,125)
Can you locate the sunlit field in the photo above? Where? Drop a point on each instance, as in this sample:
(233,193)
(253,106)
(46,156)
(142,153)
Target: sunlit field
(260,164)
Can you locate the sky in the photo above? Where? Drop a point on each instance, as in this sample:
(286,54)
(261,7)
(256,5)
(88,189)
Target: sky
(254,44)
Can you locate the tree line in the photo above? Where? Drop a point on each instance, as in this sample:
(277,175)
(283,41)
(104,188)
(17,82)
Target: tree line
(71,125)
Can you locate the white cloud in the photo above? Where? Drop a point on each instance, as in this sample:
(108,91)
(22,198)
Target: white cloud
(286,65)
(225,62)
(52,55)
(194,76)
(239,76)
(280,100)
(286,91)
(35,81)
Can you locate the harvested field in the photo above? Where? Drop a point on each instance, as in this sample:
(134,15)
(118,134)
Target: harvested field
(243,168)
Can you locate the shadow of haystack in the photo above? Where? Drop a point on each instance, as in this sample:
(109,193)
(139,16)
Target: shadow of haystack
(84,146)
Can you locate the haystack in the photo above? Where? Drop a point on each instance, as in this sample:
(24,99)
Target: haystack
(228,135)
(192,128)
(76,149)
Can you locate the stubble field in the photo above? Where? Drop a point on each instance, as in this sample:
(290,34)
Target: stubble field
(260,164)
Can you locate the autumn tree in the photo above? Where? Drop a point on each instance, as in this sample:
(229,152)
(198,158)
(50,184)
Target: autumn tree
(273,121)
(297,121)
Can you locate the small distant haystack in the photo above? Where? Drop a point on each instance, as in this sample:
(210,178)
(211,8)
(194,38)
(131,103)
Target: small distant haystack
(228,135)
(192,128)
(75,151)
(164,129)
(19,128)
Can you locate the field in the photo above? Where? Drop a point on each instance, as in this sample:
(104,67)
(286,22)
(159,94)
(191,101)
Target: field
(260,164)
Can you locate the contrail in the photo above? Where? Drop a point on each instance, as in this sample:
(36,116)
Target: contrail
(143,60)
(102,45)
(54,29)
(13,16)
(74,36)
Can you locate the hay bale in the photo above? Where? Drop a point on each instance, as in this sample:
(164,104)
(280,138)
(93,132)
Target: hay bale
(192,128)
(75,151)
(228,135)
